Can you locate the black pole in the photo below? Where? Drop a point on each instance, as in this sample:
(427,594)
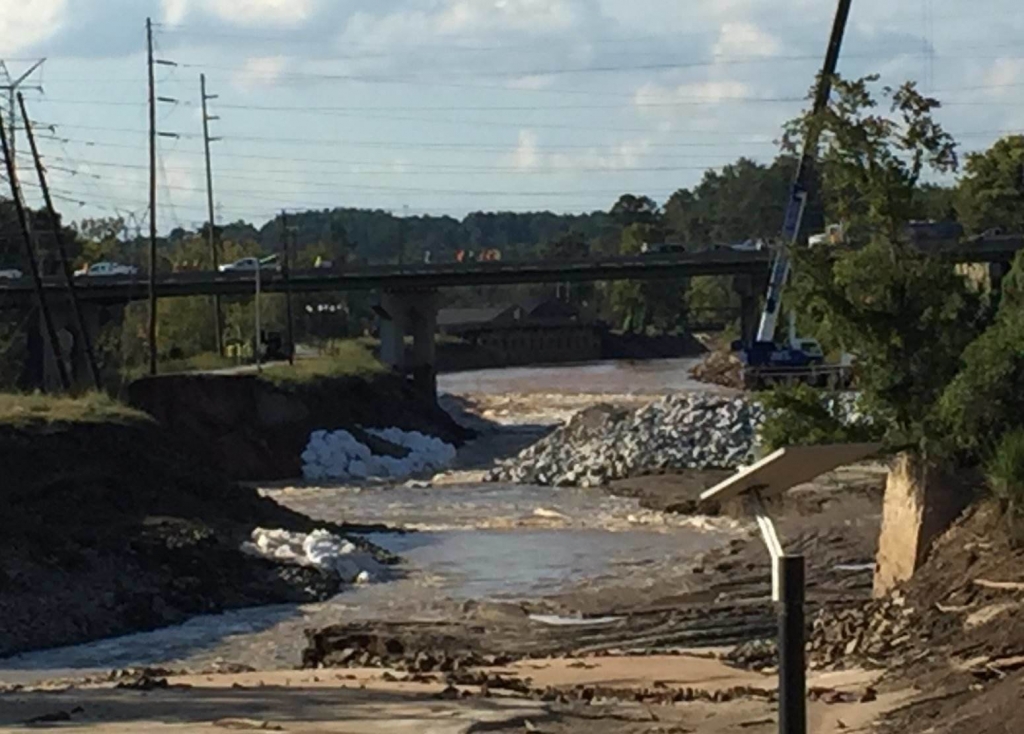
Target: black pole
(792,670)
(69,278)
(37,281)
(152,201)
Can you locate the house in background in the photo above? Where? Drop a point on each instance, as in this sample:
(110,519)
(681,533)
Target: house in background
(541,331)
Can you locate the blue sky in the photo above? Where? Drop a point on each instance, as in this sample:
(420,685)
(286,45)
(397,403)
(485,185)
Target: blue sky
(450,106)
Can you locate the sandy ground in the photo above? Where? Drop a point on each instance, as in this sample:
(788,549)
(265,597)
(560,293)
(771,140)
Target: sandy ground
(371,700)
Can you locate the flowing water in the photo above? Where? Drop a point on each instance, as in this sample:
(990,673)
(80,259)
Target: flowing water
(471,541)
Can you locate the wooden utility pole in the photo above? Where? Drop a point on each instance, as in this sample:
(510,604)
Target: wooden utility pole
(58,235)
(30,255)
(286,271)
(152,198)
(217,327)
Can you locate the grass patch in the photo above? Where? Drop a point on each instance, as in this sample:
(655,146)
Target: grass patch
(95,407)
(349,358)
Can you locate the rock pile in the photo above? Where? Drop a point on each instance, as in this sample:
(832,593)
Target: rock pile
(600,444)
(340,455)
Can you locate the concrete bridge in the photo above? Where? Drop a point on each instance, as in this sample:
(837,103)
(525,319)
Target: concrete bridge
(409,300)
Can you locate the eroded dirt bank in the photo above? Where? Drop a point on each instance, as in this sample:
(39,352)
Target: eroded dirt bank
(113,527)
(256,430)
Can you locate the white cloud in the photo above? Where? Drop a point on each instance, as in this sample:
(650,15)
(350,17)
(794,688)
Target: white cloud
(174,11)
(532,81)
(1004,72)
(25,22)
(260,71)
(652,96)
(243,12)
(526,156)
(532,16)
(745,40)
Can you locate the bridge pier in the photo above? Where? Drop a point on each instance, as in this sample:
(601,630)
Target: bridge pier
(749,290)
(72,347)
(410,313)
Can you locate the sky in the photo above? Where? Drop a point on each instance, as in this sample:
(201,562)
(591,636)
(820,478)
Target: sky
(453,106)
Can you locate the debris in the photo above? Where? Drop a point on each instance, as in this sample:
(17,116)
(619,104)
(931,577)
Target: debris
(247,725)
(999,585)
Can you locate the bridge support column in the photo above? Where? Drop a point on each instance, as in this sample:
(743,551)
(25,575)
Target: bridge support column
(747,289)
(71,345)
(412,313)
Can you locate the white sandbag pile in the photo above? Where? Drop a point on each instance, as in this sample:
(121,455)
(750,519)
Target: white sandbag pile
(319,548)
(339,455)
(600,444)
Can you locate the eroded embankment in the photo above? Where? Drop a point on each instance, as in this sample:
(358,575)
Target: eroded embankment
(257,430)
(115,526)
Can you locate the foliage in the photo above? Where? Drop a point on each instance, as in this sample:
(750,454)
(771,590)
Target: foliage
(991,194)
(806,416)
(1005,475)
(571,245)
(28,409)
(986,399)
(905,316)
(870,163)
(350,358)
(745,200)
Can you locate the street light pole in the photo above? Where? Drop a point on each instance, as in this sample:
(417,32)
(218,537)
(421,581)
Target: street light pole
(256,308)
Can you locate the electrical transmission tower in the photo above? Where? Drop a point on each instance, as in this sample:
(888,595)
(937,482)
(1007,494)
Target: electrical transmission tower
(12,85)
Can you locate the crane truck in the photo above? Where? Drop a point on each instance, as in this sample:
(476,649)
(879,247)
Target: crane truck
(799,360)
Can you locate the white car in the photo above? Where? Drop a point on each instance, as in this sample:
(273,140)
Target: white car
(250,265)
(11,274)
(106,268)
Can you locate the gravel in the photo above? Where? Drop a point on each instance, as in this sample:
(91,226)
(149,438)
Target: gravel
(601,444)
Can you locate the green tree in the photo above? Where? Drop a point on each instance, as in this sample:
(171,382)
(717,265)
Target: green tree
(571,245)
(870,162)
(905,316)
(991,193)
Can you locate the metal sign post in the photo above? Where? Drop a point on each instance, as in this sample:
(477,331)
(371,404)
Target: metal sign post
(770,477)
(788,595)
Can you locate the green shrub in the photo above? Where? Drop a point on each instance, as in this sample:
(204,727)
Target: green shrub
(1005,474)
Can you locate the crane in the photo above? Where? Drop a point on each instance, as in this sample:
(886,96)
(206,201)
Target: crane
(799,359)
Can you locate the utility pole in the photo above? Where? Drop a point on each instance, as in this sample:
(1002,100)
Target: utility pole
(217,328)
(30,255)
(153,99)
(11,86)
(58,235)
(286,271)
(152,198)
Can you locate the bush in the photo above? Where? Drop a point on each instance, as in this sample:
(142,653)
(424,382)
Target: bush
(1005,474)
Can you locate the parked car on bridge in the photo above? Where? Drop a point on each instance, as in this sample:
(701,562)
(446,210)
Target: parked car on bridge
(251,265)
(11,273)
(106,268)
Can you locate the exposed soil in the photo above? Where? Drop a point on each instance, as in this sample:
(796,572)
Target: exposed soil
(256,430)
(111,528)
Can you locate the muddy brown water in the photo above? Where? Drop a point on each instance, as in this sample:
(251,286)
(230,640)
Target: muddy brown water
(654,377)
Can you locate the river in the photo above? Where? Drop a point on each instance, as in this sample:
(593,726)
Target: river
(470,541)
